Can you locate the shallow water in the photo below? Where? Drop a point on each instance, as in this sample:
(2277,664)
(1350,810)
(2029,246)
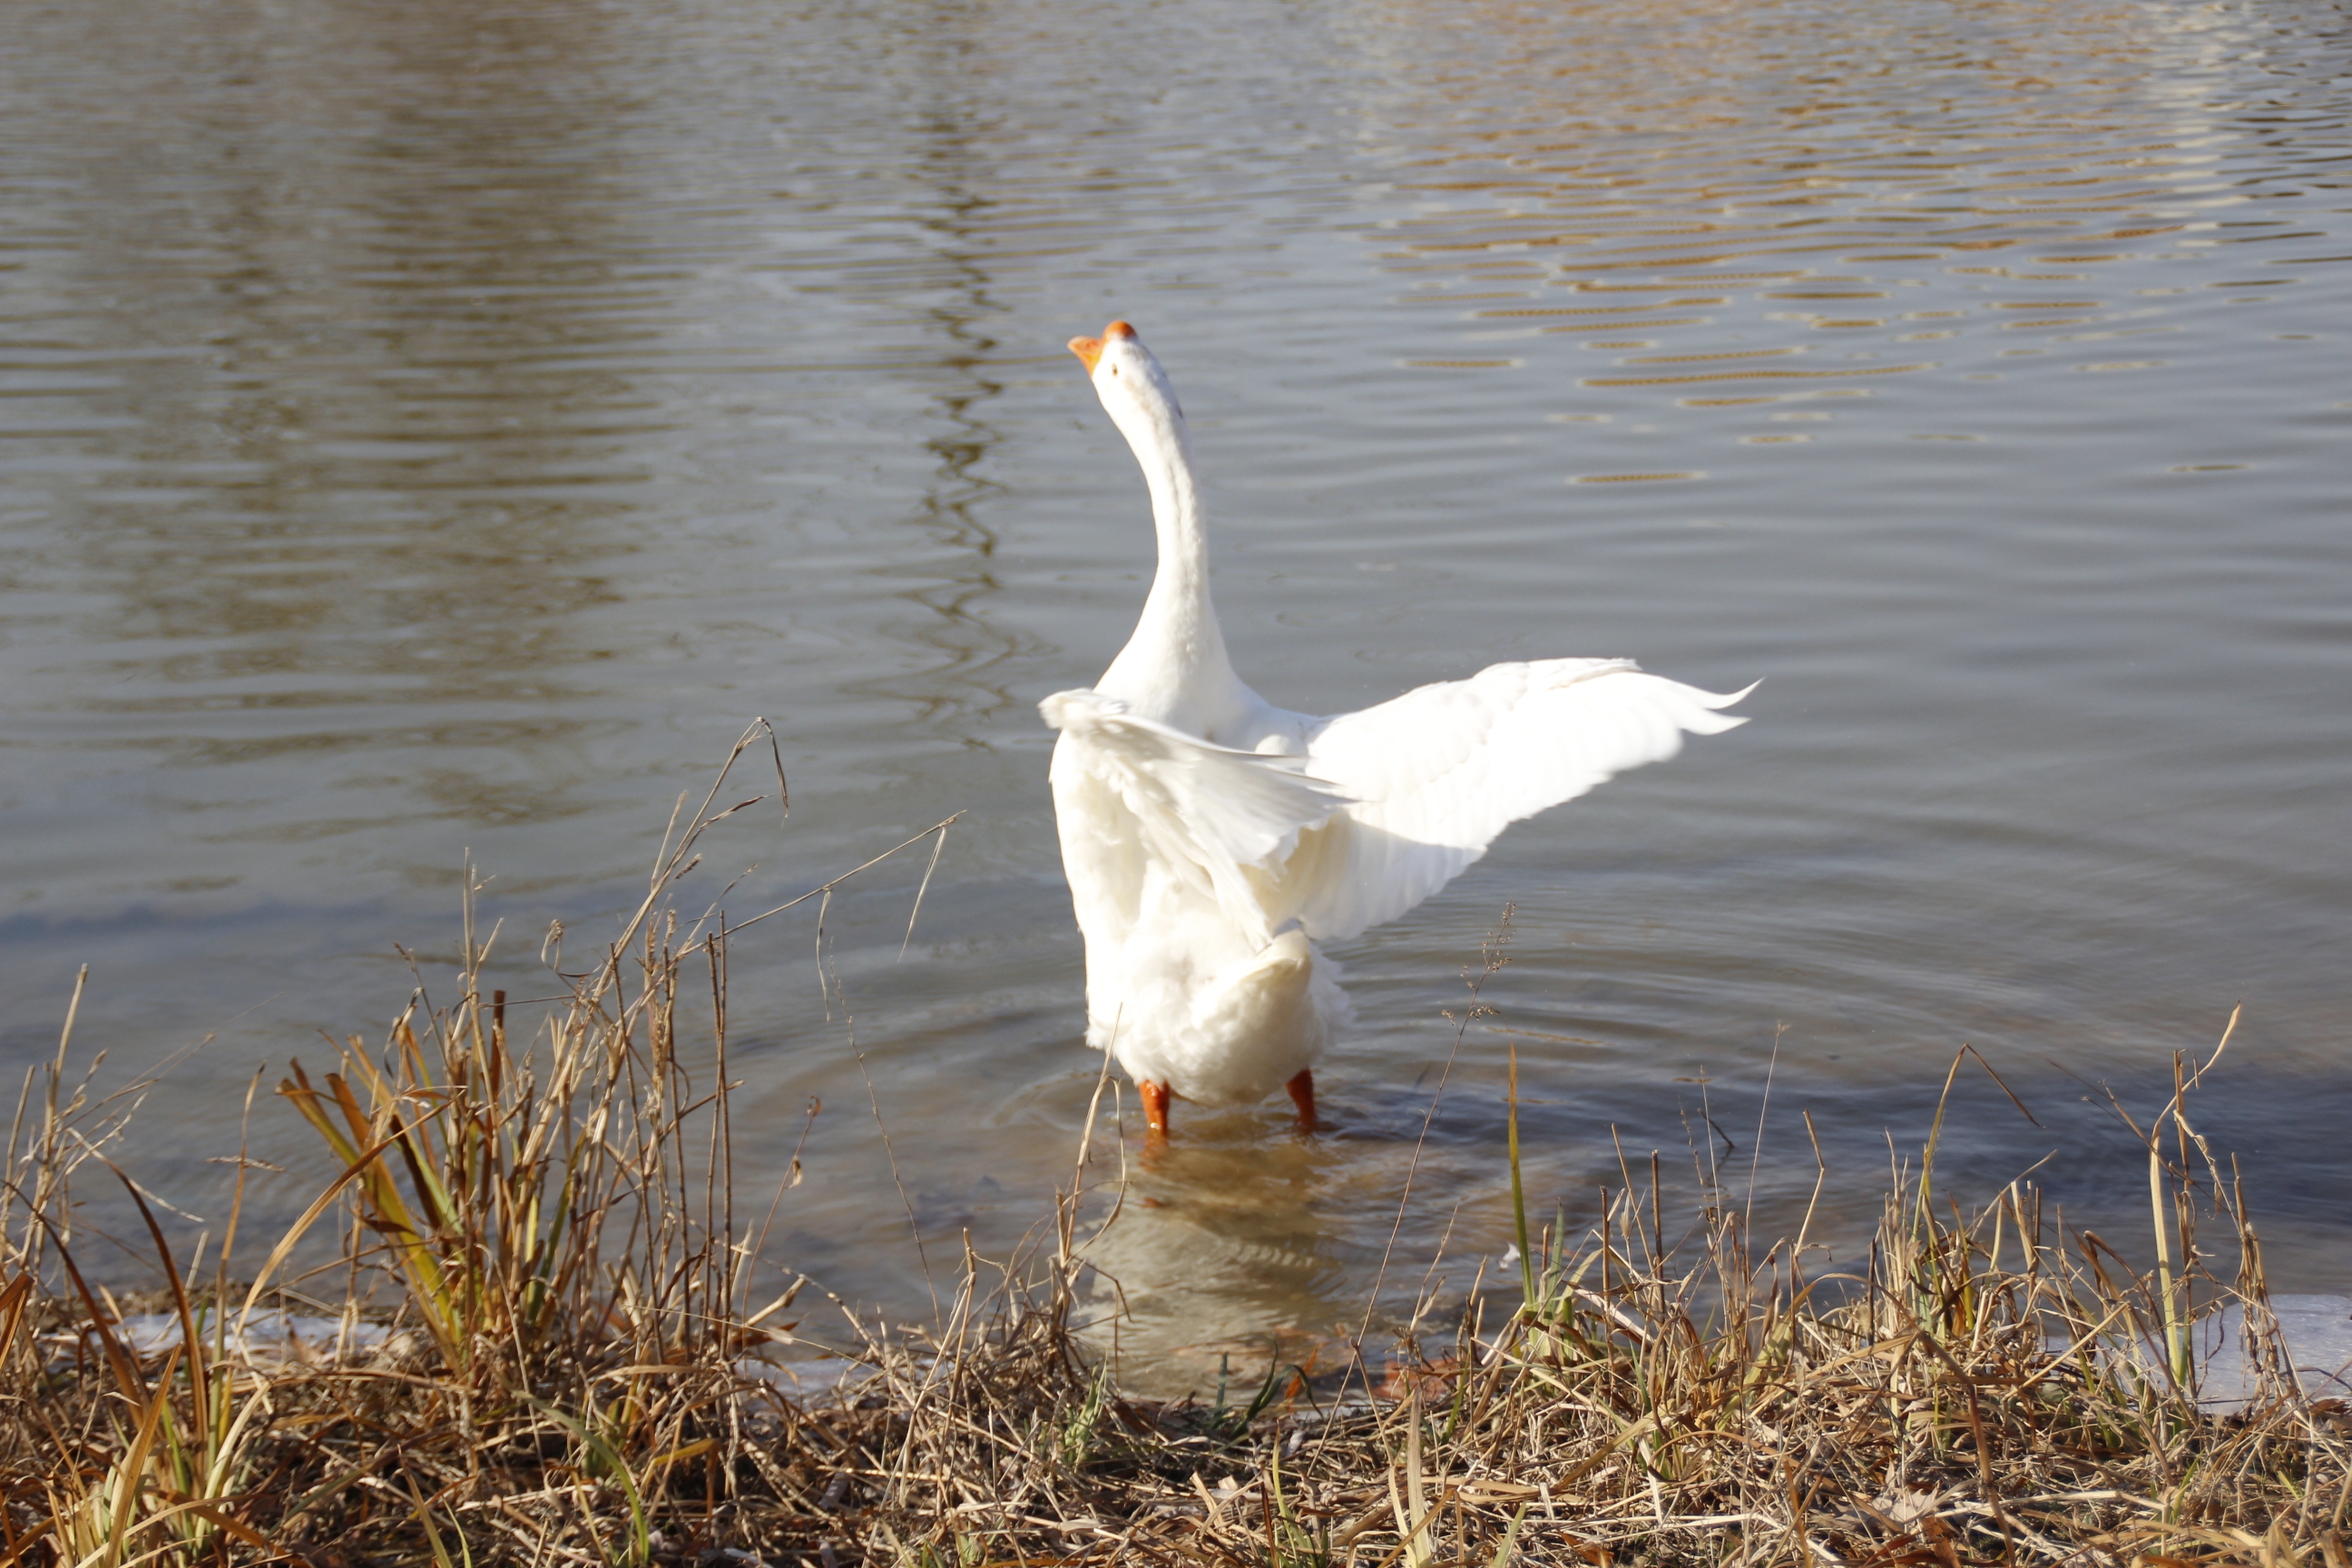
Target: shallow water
(441,431)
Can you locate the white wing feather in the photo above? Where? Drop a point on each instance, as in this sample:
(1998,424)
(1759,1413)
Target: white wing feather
(1203,811)
(1437,774)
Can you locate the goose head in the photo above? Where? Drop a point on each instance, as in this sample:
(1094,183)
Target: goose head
(1134,390)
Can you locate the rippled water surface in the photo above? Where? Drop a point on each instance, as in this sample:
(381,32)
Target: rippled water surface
(441,428)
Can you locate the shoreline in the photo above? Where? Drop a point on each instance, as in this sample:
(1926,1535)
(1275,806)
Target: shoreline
(568,1311)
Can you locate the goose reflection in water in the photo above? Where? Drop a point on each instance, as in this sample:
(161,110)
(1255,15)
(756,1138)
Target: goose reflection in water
(1223,1246)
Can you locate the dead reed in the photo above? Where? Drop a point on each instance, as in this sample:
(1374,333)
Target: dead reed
(563,1364)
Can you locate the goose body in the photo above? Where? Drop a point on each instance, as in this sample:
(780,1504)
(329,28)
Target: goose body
(1211,839)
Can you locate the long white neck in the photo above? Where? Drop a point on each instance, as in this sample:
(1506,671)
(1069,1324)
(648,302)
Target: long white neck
(1174,666)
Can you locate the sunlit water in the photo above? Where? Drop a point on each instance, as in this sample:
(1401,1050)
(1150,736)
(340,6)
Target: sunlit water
(441,428)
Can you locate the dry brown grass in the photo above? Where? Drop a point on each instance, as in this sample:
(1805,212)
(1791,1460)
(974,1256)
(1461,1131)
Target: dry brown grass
(549,1225)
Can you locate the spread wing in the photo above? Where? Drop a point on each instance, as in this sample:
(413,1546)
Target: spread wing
(1435,774)
(1201,811)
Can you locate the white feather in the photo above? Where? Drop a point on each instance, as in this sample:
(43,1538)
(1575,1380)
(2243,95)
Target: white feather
(1203,812)
(1439,773)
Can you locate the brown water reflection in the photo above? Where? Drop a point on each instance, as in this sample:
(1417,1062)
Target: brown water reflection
(442,431)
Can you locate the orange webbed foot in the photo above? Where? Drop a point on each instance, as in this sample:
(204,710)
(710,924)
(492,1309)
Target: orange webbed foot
(1155,1097)
(1302,1095)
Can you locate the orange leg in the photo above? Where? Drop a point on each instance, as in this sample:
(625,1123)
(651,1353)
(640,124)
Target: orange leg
(1302,1095)
(1155,1106)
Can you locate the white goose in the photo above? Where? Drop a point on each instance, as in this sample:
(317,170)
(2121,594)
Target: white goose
(1211,839)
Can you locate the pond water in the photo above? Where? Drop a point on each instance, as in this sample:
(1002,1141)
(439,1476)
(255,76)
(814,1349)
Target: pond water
(440,429)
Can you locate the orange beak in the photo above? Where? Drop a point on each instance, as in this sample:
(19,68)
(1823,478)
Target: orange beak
(1089,350)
